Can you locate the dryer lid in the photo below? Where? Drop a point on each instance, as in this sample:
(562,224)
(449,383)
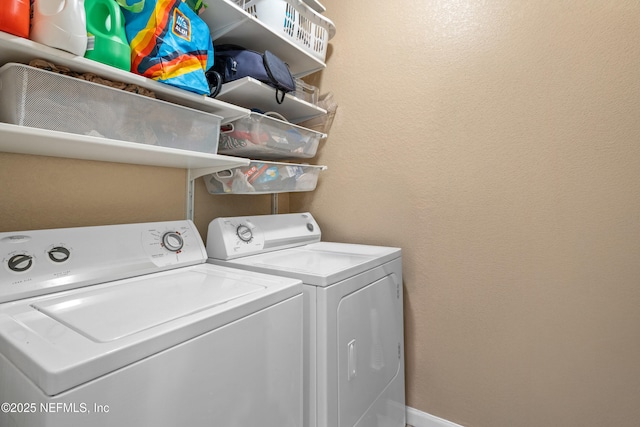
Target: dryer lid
(318,264)
(61,342)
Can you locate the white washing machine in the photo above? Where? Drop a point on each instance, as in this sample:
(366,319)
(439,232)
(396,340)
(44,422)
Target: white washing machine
(127,325)
(353,315)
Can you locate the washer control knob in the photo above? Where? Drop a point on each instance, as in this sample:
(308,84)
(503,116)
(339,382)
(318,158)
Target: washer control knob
(59,254)
(244,233)
(172,241)
(20,263)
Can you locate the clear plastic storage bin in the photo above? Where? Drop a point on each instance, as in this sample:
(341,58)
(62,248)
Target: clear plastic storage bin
(264,137)
(264,177)
(294,20)
(42,99)
(305,91)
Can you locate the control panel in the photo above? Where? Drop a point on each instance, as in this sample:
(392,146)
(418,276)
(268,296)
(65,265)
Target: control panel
(22,260)
(45,261)
(234,237)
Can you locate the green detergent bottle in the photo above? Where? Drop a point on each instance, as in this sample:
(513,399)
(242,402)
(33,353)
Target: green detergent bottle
(107,41)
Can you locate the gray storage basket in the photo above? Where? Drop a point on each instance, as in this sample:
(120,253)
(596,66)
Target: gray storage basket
(42,99)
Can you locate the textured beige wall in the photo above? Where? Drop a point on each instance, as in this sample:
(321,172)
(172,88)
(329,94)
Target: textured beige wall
(498,143)
(45,192)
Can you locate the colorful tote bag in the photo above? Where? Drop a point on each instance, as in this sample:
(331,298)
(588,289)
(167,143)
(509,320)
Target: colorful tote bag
(169,43)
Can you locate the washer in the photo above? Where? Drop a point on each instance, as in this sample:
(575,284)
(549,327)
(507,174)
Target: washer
(353,314)
(127,325)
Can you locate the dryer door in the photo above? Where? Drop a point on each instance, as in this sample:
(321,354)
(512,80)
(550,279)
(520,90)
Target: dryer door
(369,340)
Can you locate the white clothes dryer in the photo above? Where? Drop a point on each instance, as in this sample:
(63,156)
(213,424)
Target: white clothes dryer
(127,325)
(353,314)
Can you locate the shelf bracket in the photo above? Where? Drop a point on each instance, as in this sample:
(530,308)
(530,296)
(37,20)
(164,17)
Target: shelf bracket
(191,186)
(193,174)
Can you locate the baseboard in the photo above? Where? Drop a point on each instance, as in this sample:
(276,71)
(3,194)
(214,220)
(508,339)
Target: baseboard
(417,418)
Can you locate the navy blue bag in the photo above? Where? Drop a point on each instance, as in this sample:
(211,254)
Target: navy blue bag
(234,62)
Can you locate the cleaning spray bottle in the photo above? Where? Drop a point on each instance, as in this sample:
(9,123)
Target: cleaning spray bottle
(107,40)
(61,24)
(14,18)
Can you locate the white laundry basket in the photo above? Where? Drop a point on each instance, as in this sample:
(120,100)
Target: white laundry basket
(294,20)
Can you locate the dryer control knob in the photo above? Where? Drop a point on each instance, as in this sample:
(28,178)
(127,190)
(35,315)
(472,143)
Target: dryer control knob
(172,241)
(244,233)
(20,263)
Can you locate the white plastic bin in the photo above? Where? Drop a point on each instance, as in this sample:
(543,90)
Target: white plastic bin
(294,20)
(264,177)
(264,137)
(42,99)
(315,5)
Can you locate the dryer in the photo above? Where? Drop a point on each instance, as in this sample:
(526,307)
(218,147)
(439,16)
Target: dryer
(353,313)
(127,325)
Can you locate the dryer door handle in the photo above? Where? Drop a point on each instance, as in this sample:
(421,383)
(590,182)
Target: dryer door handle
(351,360)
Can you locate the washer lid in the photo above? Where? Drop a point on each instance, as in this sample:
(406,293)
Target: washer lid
(104,315)
(62,341)
(318,264)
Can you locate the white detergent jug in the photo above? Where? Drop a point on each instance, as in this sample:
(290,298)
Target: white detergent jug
(61,24)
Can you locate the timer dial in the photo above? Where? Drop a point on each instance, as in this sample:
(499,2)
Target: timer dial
(244,233)
(172,241)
